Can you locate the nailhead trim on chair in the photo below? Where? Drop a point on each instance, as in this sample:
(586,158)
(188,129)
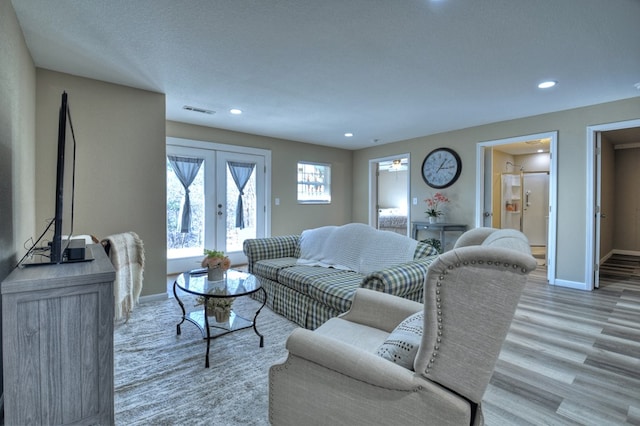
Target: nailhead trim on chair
(441,278)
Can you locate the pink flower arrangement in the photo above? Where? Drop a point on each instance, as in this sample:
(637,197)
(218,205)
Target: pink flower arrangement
(434,203)
(215,259)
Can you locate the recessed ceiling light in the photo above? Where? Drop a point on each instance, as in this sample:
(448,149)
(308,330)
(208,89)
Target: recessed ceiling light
(348,134)
(541,150)
(235,111)
(547,84)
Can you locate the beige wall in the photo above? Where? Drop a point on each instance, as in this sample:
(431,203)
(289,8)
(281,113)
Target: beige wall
(17,144)
(17,140)
(120,172)
(392,191)
(626,200)
(289,217)
(572,160)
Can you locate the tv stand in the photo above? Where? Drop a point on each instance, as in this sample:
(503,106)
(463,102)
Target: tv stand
(57,343)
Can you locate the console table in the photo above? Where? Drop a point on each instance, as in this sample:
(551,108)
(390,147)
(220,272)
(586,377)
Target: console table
(443,228)
(57,343)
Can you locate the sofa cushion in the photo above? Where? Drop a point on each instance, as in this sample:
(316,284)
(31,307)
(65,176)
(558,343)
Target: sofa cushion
(401,347)
(362,336)
(336,290)
(424,250)
(299,277)
(269,268)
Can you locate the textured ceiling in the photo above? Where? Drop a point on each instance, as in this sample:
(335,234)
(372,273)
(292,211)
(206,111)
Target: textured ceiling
(311,70)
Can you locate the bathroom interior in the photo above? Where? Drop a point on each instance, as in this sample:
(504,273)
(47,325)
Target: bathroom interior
(521,191)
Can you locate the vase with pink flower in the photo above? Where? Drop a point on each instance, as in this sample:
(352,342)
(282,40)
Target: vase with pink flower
(435,205)
(216,263)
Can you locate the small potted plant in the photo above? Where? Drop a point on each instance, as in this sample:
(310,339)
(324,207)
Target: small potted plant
(216,263)
(218,307)
(434,205)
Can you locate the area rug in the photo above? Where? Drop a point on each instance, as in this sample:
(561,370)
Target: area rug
(160,377)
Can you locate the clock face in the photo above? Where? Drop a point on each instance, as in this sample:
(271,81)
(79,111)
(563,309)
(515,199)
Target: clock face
(441,168)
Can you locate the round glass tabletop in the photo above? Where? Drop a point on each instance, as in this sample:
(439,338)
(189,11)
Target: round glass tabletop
(234,284)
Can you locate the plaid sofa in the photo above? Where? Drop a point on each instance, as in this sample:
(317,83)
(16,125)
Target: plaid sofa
(310,295)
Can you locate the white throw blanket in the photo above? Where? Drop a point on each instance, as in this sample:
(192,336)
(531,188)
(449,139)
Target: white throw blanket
(355,247)
(127,255)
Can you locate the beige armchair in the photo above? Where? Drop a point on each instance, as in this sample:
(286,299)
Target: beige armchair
(334,375)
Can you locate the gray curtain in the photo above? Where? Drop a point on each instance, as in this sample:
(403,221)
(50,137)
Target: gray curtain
(241,172)
(186,170)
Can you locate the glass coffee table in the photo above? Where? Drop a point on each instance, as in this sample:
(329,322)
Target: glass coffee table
(235,284)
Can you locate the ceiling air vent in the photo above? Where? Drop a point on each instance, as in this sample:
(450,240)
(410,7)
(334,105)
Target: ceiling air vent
(200,110)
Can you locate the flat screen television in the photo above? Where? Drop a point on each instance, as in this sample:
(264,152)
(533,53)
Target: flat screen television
(60,249)
(56,254)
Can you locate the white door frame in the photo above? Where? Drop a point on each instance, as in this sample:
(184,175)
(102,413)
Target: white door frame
(214,146)
(593,189)
(373,188)
(553,190)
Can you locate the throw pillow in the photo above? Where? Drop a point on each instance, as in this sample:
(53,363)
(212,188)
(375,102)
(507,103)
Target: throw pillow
(401,347)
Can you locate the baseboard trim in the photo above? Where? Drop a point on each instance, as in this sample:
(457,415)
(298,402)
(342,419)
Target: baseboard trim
(571,284)
(606,256)
(626,252)
(153,297)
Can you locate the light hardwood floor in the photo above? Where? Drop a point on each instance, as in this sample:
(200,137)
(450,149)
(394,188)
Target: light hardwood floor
(571,357)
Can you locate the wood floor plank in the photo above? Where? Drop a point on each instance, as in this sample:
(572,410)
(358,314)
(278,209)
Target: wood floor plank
(571,356)
(611,389)
(591,413)
(634,415)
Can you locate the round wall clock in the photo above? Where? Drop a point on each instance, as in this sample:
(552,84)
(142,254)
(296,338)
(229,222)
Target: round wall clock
(441,168)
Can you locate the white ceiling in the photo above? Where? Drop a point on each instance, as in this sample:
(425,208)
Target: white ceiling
(311,70)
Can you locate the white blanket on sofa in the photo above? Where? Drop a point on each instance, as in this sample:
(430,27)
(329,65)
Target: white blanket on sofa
(354,247)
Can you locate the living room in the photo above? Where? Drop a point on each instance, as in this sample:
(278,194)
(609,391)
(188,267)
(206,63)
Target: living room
(108,119)
(122,131)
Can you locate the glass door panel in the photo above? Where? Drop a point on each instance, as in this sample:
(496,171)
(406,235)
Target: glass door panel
(179,243)
(185,244)
(240,215)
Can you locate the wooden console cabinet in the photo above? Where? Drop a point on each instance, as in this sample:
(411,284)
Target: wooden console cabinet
(57,343)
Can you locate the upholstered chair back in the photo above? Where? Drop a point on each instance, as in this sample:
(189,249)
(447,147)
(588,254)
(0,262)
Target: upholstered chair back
(471,294)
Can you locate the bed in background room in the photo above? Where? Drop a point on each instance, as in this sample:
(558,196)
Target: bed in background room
(392,219)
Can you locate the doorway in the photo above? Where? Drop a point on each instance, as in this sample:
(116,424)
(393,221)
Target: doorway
(525,204)
(389,189)
(611,217)
(516,187)
(216,198)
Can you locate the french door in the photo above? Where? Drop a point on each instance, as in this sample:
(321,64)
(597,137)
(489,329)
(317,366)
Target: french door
(215,200)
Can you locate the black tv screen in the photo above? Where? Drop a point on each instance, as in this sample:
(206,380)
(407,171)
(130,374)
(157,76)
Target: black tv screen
(61,249)
(56,254)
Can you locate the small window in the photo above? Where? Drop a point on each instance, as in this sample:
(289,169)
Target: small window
(314,183)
